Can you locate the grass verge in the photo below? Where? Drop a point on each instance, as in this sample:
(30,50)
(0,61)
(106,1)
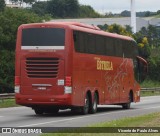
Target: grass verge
(5,103)
(150,120)
(150,93)
(150,84)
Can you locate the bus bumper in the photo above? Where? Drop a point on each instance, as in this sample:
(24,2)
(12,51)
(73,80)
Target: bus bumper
(55,100)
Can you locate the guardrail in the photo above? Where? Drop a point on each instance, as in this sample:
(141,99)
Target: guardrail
(153,90)
(11,95)
(7,96)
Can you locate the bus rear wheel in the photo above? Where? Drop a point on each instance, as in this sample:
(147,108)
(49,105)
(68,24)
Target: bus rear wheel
(38,111)
(52,110)
(85,108)
(93,107)
(127,105)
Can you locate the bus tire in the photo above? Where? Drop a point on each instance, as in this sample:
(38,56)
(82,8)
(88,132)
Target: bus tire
(127,105)
(93,107)
(52,111)
(85,108)
(38,111)
(55,110)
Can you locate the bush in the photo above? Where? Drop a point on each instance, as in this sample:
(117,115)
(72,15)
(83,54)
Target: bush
(6,71)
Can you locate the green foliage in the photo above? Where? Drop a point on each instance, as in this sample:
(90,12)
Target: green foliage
(154,68)
(6,70)
(125,13)
(2,5)
(115,28)
(8,103)
(28,1)
(148,83)
(40,8)
(63,8)
(103,27)
(87,11)
(152,33)
(10,19)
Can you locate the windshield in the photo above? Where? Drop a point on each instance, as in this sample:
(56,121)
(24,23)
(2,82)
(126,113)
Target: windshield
(43,37)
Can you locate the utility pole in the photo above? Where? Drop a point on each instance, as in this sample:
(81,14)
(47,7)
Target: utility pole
(133,16)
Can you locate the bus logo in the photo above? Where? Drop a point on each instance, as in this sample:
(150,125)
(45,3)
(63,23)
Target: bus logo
(104,65)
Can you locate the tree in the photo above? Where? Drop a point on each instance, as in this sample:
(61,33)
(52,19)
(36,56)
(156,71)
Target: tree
(86,11)
(2,5)
(128,28)
(158,12)
(153,35)
(63,8)
(125,13)
(40,8)
(115,28)
(109,14)
(103,27)
(6,70)
(13,18)
(10,19)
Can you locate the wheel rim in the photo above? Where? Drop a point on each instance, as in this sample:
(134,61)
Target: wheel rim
(86,107)
(95,103)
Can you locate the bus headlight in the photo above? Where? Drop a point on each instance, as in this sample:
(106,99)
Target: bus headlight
(67,90)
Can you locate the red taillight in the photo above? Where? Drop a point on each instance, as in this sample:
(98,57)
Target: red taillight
(68,81)
(17,80)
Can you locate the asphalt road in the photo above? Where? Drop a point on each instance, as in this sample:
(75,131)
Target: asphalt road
(25,117)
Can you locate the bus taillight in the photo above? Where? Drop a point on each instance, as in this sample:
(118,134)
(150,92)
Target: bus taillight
(17,84)
(68,81)
(68,84)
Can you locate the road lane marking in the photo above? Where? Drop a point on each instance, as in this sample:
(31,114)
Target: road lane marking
(70,119)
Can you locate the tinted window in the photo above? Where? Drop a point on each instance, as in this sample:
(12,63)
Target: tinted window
(103,45)
(100,45)
(43,37)
(90,45)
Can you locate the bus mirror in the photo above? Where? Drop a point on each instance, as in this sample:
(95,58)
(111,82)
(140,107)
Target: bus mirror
(142,68)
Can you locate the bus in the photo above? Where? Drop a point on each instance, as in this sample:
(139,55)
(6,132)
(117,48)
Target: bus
(61,65)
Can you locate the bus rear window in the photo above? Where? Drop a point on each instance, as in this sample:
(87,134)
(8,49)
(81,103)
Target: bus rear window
(43,37)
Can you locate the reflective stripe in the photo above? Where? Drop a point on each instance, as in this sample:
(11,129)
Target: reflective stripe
(42,47)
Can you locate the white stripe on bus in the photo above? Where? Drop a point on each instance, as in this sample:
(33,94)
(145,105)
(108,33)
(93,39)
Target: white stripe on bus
(42,47)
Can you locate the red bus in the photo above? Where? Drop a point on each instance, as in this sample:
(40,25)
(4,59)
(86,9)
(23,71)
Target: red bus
(73,65)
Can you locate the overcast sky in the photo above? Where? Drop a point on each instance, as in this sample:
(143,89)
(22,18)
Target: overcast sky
(116,6)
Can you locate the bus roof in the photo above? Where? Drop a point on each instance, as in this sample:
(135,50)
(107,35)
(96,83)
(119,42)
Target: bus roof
(84,27)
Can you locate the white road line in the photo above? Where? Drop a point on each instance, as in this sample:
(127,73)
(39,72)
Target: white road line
(55,121)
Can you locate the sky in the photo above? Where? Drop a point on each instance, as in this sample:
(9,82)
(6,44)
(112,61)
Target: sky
(117,6)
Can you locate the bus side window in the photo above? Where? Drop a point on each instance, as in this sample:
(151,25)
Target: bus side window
(90,47)
(76,41)
(81,42)
(100,45)
(109,48)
